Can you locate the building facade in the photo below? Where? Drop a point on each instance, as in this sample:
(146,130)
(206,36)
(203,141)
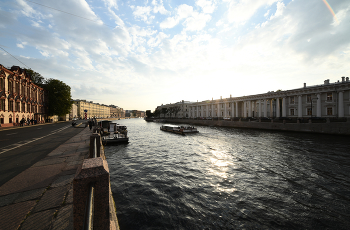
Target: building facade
(19,97)
(116,111)
(93,110)
(329,100)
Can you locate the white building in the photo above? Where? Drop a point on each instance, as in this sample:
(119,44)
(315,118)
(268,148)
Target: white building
(326,100)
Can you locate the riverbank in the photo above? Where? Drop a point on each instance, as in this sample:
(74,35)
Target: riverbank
(338,128)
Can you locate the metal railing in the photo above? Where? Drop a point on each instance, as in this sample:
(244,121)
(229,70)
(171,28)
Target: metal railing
(89,209)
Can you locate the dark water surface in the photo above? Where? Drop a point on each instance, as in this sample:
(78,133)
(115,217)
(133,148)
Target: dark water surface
(226,178)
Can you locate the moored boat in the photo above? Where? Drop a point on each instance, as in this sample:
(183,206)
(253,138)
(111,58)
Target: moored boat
(179,129)
(117,134)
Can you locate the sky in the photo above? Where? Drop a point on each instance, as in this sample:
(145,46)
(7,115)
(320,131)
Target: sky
(141,54)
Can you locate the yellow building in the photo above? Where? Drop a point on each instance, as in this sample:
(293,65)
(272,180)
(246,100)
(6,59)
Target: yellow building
(93,110)
(19,97)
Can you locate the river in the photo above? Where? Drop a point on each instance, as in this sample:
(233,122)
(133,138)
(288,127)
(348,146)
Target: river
(226,178)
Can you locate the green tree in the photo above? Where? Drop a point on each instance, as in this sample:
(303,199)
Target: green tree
(60,99)
(37,79)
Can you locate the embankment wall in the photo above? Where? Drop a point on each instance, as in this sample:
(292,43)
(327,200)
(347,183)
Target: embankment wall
(338,128)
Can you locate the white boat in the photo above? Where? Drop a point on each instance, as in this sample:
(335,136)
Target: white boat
(117,134)
(179,129)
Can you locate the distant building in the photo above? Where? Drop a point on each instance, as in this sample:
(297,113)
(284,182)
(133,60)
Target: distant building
(20,98)
(92,109)
(116,111)
(325,100)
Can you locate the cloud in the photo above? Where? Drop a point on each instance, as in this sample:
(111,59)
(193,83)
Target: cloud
(158,7)
(111,3)
(196,22)
(279,11)
(207,6)
(143,12)
(241,11)
(183,11)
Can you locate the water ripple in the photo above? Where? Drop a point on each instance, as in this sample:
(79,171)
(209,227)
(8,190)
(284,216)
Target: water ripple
(225,178)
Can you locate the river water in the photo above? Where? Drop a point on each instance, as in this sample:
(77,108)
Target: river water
(226,178)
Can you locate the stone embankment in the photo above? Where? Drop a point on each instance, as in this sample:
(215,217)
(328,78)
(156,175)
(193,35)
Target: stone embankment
(339,127)
(44,196)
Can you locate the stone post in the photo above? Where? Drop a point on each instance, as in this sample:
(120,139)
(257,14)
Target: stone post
(93,170)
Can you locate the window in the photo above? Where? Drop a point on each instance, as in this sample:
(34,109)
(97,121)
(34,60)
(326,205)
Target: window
(308,98)
(17,106)
(10,89)
(10,106)
(23,107)
(291,112)
(292,100)
(2,104)
(329,111)
(17,88)
(329,96)
(2,83)
(309,111)
(10,120)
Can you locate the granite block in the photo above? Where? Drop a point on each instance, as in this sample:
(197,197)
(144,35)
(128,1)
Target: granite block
(8,199)
(63,180)
(64,219)
(30,195)
(93,171)
(39,221)
(11,216)
(53,198)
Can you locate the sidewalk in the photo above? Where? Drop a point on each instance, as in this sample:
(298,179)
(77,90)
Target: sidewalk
(41,197)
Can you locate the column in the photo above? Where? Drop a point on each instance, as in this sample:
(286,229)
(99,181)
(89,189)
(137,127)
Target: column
(244,109)
(197,112)
(207,111)
(237,115)
(341,104)
(284,107)
(233,110)
(249,108)
(265,108)
(278,107)
(300,106)
(259,108)
(225,110)
(319,105)
(271,108)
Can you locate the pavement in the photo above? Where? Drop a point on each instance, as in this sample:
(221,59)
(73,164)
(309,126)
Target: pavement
(41,197)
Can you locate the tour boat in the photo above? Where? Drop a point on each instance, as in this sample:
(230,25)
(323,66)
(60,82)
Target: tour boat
(117,134)
(179,129)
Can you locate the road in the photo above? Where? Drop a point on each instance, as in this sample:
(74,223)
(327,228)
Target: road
(22,147)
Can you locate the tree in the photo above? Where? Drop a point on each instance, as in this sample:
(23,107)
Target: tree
(157,112)
(171,111)
(176,109)
(148,113)
(164,111)
(37,79)
(60,99)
